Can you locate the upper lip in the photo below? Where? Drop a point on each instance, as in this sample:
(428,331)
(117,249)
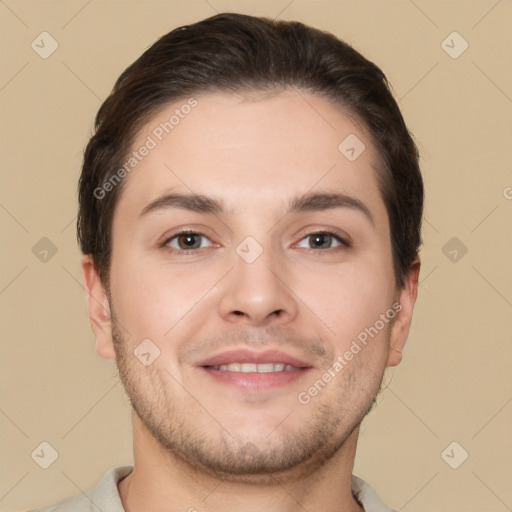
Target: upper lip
(250,356)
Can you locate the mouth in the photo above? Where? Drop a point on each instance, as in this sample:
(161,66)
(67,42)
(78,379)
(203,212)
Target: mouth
(255,371)
(254,367)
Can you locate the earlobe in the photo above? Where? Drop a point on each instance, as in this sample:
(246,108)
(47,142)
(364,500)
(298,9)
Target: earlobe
(402,322)
(98,308)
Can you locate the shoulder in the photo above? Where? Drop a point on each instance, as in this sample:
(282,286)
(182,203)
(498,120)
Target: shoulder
(76,503)
(104,496)
(367,496)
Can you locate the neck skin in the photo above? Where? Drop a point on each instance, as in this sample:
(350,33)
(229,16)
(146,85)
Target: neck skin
(162,482)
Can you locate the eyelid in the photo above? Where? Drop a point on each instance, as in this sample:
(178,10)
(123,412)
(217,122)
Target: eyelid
(186,231)
(342,244)
(343,238)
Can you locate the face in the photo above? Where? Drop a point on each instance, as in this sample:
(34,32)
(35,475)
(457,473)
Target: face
(254,259)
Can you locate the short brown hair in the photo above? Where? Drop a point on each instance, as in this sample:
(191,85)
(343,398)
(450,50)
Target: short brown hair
(236,53)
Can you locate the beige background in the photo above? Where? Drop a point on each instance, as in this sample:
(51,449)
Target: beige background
(455,381)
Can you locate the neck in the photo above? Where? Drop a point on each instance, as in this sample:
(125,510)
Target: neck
(160,482)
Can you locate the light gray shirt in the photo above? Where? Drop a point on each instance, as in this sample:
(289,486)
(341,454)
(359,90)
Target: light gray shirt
(104,497)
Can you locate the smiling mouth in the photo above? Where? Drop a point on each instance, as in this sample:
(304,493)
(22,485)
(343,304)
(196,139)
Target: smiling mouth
(254,367)
(254,372)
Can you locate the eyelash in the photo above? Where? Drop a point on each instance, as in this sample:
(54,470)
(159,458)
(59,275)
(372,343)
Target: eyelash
(343,242)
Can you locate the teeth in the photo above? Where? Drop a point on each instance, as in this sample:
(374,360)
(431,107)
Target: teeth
(265,367)
(256,368)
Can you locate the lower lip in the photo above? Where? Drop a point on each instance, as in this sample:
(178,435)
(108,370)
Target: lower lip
(256,381)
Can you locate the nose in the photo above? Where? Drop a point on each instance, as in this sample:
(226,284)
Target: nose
(258,293)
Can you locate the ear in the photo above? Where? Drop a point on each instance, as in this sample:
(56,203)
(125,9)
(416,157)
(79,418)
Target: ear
(406,298)
(99,309)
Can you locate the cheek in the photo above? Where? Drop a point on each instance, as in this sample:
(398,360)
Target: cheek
(351,305)
(347,299)
(150,298)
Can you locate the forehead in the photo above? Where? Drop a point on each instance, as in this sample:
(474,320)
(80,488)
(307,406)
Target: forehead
(255,151)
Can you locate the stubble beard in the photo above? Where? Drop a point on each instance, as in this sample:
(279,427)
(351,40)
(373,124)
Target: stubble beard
(288,456)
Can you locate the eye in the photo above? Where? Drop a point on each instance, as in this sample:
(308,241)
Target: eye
(187,241)
(322,240)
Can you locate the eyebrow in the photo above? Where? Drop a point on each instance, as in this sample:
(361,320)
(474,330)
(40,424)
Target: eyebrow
(193,202)
(327,201)
(309,202)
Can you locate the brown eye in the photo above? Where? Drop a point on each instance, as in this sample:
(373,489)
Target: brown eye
(187,241)
(321,241)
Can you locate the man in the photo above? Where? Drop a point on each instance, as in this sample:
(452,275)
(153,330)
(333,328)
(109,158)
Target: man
(250,211)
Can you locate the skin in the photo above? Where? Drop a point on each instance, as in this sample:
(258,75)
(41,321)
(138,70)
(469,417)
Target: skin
(202,444)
